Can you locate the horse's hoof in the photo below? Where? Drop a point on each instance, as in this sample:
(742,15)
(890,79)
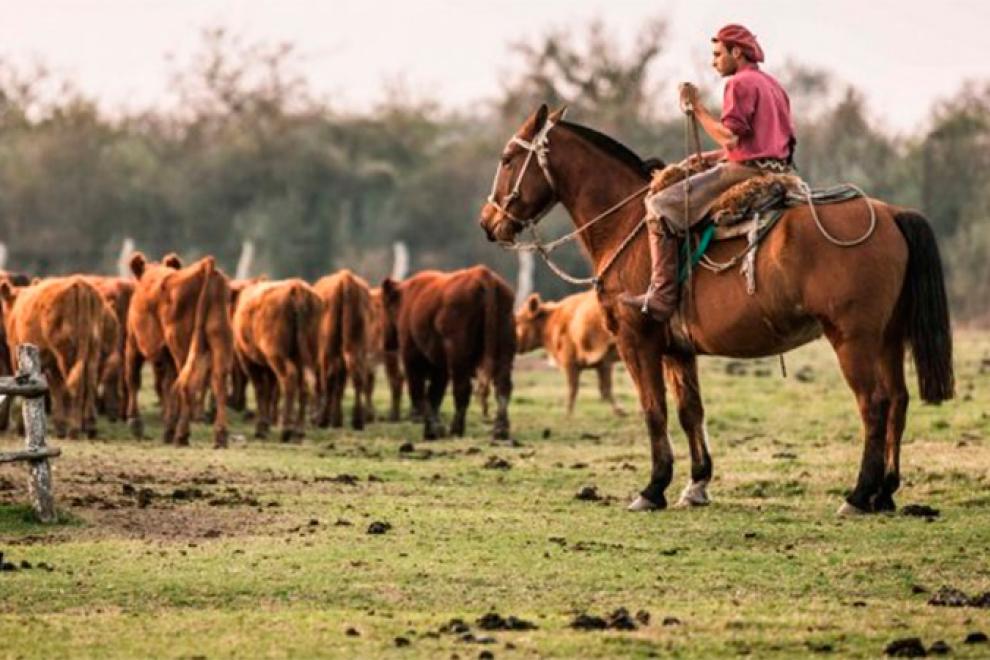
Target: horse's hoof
(694,494)
(848,510)
(642,504)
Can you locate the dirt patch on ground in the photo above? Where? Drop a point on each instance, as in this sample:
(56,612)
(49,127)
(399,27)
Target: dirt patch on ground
(161,500)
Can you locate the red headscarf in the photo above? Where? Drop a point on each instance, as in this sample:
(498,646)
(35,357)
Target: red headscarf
(736,35)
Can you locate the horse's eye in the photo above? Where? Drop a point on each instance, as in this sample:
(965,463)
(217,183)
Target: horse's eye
(505,159)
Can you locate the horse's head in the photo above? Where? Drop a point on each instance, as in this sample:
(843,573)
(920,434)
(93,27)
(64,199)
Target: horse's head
(523,190)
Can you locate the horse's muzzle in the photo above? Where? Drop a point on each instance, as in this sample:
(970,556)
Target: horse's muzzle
(488,232)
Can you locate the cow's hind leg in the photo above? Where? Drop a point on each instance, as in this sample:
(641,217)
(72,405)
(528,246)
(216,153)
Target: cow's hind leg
(573,373)
(604,370)
(858,360)
(299,425)
(258,375)
(166,376)
(368,395)
(502,379)
(220,373)
(393,373)
(336,385)
(436,388)
(59,397)
(133,361)
(415,367)
(461,385)
(357,369)
(288,382)
(189,386)
(682,377)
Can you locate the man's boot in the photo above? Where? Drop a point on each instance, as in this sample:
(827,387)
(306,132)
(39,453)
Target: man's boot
(660,299)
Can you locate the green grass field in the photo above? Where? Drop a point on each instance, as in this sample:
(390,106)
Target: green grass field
(264,550)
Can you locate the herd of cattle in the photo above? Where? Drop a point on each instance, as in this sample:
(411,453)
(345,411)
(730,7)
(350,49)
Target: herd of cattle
(296,343)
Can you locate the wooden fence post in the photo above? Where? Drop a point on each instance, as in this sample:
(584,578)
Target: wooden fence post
(40,483)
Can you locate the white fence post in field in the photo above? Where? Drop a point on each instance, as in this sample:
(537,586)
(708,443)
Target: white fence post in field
(123,261)
(400,261)
(524,279)
(244,262)
(3,256)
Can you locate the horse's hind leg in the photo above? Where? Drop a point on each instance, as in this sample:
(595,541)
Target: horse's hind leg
(892,380)
(858,360)
(682,377)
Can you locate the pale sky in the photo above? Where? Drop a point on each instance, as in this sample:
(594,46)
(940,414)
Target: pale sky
(902,54)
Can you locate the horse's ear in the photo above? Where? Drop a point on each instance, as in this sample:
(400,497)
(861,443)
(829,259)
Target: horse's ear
(558,114)
(541,116)
(533,303)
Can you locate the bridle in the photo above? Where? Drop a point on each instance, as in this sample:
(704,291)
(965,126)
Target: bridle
(540,147)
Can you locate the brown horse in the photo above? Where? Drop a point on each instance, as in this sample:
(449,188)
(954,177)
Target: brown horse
(869,301)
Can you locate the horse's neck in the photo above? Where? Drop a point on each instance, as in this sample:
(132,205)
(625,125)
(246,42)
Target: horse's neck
(592,182)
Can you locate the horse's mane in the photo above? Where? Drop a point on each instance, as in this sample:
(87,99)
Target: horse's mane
(615,148)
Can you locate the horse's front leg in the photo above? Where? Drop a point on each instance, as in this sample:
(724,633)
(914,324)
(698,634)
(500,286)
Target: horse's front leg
(682,377)
(640,348)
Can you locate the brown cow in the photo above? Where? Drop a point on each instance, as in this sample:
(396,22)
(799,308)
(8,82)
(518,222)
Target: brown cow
(237,400)
(348,320)
(446,326)
(112,398)
(378,355)
(178,321)
(573,333)
(6,362)
(63,317)
(276,326)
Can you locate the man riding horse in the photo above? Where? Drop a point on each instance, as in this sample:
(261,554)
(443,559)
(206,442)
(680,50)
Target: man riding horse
(755,134)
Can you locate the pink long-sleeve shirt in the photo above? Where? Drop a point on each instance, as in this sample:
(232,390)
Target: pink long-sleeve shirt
(757,111)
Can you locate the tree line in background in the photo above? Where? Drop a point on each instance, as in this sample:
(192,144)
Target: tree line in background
(248,153)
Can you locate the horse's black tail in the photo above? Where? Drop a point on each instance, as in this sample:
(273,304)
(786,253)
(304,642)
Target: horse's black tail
(926,309)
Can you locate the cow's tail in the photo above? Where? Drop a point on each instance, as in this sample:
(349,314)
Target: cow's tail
(493,340)
(199,344)
(304,310)
(81,379)
(76,375)
(926,309)
(335,329)
(354,320)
